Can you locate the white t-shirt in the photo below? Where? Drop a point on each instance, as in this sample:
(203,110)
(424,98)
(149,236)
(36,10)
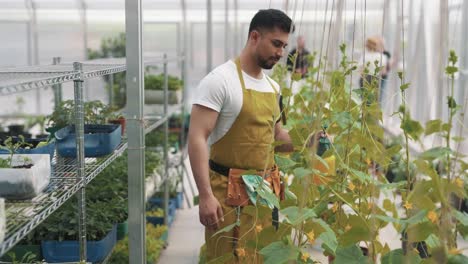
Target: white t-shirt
(370,58)
(221,91)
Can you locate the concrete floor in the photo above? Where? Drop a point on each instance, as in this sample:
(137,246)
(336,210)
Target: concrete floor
(186,236)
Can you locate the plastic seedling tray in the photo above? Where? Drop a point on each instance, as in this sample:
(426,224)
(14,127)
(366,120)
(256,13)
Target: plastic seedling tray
(25,183)
(99,140)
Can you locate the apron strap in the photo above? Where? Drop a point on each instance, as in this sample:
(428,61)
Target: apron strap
(241,76)
(272,86)
(239,72)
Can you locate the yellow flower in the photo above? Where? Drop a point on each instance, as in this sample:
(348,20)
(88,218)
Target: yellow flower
(286,179)
(408,205)
(335,207)
(459,182)
(305,256)
(240,252)
(432,216)
(454,251)
(311,237)
(258,228)
(347,228)
(351,186)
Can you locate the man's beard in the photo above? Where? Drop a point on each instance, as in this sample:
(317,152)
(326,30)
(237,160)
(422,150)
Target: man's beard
(267,64)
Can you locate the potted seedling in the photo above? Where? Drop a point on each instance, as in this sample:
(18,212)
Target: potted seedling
(156,237)
(18,129)
(100,138)
(22,176)
(40,122)
(118,119)
(154,89)
(59,233)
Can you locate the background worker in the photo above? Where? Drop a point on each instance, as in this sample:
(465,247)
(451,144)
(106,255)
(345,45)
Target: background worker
(302,63)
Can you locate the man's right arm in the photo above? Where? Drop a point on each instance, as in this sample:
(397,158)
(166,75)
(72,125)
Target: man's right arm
(202,123)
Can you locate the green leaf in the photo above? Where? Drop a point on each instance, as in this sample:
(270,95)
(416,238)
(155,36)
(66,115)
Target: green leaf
(289,195)
(397,257)
(457,259)
(226,229)
(435,153)
(302,172)
(458,139)
(359,231)
(412,128)
(296,76)
(433,126)
(362,177)
(286,92)
(279,252)
(284,163)
(295,216)
(451,70)
(432,241)
(350,255)
(328,237)
(452,104)
(343,119)
(266,193)
(461,217)
(400,75)
(420,232)
(405,86)
(417,218)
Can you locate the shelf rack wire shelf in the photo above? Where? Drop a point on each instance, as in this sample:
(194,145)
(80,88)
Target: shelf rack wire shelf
(16,80)
(23,216)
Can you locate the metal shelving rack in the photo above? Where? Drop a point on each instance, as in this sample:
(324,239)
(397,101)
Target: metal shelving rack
(70,176)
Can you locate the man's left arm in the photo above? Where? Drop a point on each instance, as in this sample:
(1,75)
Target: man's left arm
(282,135)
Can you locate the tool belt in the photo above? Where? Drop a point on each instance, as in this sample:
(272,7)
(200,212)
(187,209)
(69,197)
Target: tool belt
(236,190)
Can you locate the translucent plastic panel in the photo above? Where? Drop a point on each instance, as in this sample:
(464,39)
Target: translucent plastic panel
(14,48)
(54,4)
(160,38)
(60,40)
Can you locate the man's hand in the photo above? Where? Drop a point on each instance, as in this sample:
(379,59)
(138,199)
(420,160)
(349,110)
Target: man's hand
(210,212)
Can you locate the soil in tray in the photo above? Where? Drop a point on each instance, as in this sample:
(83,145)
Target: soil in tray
(27,166)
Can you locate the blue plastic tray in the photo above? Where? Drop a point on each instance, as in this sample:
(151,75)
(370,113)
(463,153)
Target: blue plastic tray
(69,251)
(47,149)
(158,203)
(99,140)
(159,220)
(179,200)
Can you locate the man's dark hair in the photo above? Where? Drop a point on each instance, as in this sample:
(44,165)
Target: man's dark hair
(270,19)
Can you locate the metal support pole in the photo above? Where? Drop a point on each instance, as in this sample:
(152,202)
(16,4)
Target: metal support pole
(209,37)
(31,5)
(166,147)
(84,24)
(80,161)
(463,86)
(182,132)
(226,30)
(136,136)
(236,29)
(57,88)
(442,55)
(111,90)
(29,42)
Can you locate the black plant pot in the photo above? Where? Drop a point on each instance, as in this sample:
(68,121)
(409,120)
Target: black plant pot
(15,130)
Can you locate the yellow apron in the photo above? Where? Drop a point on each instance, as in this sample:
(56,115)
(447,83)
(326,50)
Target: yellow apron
(247,145)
